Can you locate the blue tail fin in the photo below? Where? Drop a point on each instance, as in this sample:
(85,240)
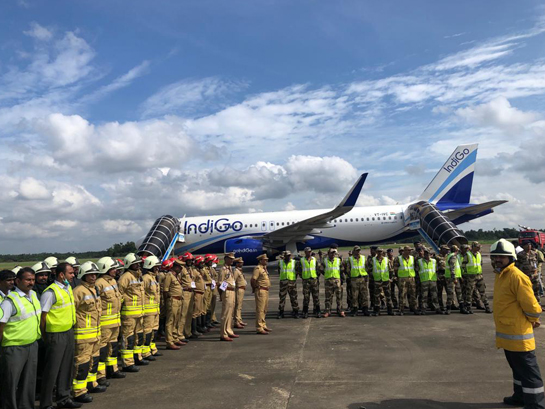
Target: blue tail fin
(453,182)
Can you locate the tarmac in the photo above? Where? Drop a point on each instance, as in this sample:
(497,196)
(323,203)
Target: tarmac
(385,362)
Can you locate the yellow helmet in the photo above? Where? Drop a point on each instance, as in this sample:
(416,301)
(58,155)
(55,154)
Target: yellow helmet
(150,262)
(105,264)
(131,259)
(88,268)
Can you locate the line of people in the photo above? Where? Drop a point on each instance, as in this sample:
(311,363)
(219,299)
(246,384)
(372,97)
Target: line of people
(66,328)
(384,281)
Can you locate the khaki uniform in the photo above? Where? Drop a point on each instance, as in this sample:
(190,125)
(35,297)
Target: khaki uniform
(188,304)
(200,287)
(228,301)
(173,301)
(214,296)
(152,298)
(110,321)
(205,272)
(87,335)
(241,284)
(261,292)
(132,332)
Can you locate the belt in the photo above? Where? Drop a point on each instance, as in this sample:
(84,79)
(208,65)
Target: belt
(264,288)
(209,285)
(176,297)
(199,292)
(241,288)
(189,289)
(230,289)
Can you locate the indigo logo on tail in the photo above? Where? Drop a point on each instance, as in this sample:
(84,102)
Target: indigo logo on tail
(456,159)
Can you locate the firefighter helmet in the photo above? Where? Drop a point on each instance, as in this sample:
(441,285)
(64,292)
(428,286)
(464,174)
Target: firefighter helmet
(131,259)
(87,268)
(503,248)
(150,262)
(74,262)
(105,264)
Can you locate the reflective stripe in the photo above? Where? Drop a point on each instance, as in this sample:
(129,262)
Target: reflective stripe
(519,383)
(79,385)
(92,377)
(357,267)
(110,288)
(101,366)
(127,353)
(111,361)
(381,271)
(427,270)
(457,269)
(132,282)
(146,349)
(530,314)
(287,271)
(332,269)
(406,267)
(309,268)
(515,337)
(533,391)
(23,315)
(473,265)
(89,297)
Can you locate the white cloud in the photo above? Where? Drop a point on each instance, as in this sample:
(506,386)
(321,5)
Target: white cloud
(38,32)
(33,189)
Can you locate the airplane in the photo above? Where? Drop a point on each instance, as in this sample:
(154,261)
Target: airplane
(434,216)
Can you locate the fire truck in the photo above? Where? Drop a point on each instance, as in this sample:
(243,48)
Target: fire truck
(534,235)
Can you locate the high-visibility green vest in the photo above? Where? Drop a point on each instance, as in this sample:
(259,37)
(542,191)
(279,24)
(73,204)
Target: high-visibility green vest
(287,271)
(309,268)
(2,298)
(357,267)
(23,328)
(406,267)
(473,266)
(332,268)
(427,270)
(381,272)
(62,315)
(457,269)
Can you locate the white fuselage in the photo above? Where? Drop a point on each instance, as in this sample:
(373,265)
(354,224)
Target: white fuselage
(360,225)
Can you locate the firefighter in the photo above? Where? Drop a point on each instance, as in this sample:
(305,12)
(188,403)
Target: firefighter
(152,297)
(87,334)
(110,320)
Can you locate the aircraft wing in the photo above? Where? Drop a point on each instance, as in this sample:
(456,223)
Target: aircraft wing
(473,210)
(303,229)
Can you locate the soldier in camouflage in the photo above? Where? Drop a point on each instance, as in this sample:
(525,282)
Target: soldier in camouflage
(359,282)
(405,273)
(394,284)
(332,275)
(288,285)
(441,281)
(453,275)
(307,268)
(527,263)
(472,266)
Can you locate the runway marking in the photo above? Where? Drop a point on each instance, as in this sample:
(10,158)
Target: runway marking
(301,355)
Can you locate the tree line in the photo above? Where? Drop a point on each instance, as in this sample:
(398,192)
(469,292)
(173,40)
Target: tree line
(117,250)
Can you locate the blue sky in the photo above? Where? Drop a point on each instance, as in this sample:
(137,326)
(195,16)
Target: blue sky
(112,114)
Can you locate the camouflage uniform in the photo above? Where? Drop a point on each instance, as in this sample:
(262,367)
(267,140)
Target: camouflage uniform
(333,286)
(394,284)
(473,282)
(288,286)
(441,280)
(407,288)
(311,286)
(527,263)
(453,285)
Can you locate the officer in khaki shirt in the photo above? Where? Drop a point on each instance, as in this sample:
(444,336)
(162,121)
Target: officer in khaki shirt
(188,305)
(261,285)
(227,296)
(208,291)
(241,284)
(200,288)
(173,296)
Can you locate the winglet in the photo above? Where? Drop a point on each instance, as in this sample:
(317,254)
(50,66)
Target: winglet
(352,196)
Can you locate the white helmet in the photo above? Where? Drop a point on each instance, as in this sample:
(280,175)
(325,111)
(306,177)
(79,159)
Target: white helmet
(150,262)
(105,264)
(16,269)
(503,248)
(88,268)
(41,267)
(131,259)
(51,262)
(74,262)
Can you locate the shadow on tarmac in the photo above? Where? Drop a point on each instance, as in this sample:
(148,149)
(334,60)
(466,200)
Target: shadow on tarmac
(422,404)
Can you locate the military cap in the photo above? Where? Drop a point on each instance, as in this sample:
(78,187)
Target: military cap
(333,250)
(390,251)
(230,255)
(454,247)
(308,249)
(465,246)
(239,260)
(180,262)
(356,248)
(444,247)
(6,275)
(475,244)
(262,257)
(373,247)
(334,246)
(380,250)
(406,248)
(287,253)
(427,250)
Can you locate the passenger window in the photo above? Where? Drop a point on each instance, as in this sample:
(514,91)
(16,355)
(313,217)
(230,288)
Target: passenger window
(373,219)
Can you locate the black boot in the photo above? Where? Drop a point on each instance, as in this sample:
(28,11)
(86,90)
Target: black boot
(103,382)
(390,311)
(318,313)
(295,314)
(305,313)
(447,311)
(488,310)
(280,314)
(376,312)
(354,312)
(194,332)
(366,312)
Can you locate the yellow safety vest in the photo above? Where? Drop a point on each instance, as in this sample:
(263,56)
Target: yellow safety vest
(309,268)
(357,267)
(23,328)
(427,270)
(332,268)
(62,315)
(287,271)
(406,267)
(381,272)
(457,269)
(473,265)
